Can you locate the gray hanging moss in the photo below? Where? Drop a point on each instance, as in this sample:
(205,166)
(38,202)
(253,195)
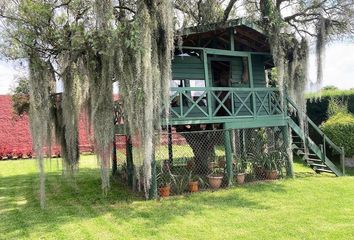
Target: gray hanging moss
(144,76)
(40,79)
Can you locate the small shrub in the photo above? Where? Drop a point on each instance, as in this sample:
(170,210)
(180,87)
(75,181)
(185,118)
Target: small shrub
(340,129)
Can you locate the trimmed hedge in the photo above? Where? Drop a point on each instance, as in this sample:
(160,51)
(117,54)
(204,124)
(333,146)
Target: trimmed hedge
(317,108)
(340,129)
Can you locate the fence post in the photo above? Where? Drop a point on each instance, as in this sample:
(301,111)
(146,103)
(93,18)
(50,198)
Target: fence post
(153,184)
(290,167)
(228,154)
(129,156)
(342,160)
(170,148)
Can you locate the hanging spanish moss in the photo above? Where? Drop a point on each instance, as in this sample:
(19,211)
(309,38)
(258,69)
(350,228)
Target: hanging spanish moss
(321,40)
(40,79)
(99,64)
(144,75)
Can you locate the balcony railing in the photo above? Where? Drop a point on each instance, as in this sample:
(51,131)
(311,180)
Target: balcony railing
(200,103)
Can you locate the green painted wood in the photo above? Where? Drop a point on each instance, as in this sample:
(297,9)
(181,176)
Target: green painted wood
(207,80)
(250,122)
(228,155)
(315,149)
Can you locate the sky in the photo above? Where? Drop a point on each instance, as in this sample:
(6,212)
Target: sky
(338,68)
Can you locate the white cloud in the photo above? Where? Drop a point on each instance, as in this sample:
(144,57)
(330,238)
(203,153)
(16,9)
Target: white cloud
(338,67)
(7,75)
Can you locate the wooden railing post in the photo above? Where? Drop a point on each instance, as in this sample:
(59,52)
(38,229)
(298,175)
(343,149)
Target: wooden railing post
(323,154)
(342,160)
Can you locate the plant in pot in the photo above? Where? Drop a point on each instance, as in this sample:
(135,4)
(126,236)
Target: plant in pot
(257,162)
(179,183)
(215,178)
(193,182)
(271,164)
(241,167)
(164,182)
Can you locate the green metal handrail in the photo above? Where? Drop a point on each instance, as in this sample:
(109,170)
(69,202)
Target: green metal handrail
(326,141)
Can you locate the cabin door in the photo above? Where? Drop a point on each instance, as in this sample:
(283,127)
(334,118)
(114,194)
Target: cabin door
(221,78)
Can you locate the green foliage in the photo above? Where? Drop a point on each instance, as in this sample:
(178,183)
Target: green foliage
(318,103)
(335,107)
(329,88)
(340,129)
(20,96)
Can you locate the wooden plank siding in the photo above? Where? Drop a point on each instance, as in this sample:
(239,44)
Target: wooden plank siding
(259,81)
(187,67)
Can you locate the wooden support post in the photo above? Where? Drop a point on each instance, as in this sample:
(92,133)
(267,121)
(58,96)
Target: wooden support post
(228,154)
(129,155)
(342,160)
(170,148)
(286,137)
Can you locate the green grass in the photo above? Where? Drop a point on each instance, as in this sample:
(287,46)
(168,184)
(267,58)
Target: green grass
(309,207)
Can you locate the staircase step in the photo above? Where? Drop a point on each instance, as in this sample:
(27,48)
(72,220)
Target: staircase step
(317,165)
(313,159)
(309,154)
(323,170)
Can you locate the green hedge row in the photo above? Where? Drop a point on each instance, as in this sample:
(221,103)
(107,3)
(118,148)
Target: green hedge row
(317,107)
(340,129)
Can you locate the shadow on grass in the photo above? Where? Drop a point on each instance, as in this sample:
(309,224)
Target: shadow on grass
(68,202)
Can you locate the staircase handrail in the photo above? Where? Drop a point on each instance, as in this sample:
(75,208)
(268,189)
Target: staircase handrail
(318,130)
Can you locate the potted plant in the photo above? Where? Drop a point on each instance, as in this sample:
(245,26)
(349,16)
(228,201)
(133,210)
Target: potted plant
(215,178)
(271,165)
(241,166)
(222,162)
(164,181)
(257,162)
(193,182)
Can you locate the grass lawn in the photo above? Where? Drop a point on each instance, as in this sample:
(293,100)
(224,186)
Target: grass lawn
(309,207)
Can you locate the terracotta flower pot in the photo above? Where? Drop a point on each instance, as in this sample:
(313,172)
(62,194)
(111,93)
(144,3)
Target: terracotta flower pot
(193,186)
(240,178)
(215,181)
(165,191)
(271,174)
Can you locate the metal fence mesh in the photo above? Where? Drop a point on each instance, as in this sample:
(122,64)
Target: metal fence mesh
(193,161)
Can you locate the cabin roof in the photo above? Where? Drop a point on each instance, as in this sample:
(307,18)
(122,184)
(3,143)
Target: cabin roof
(248,35)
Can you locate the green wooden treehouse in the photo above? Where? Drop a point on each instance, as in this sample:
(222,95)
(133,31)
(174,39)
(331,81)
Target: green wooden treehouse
(220,83)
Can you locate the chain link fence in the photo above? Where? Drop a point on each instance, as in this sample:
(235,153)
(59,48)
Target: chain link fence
(211,159)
